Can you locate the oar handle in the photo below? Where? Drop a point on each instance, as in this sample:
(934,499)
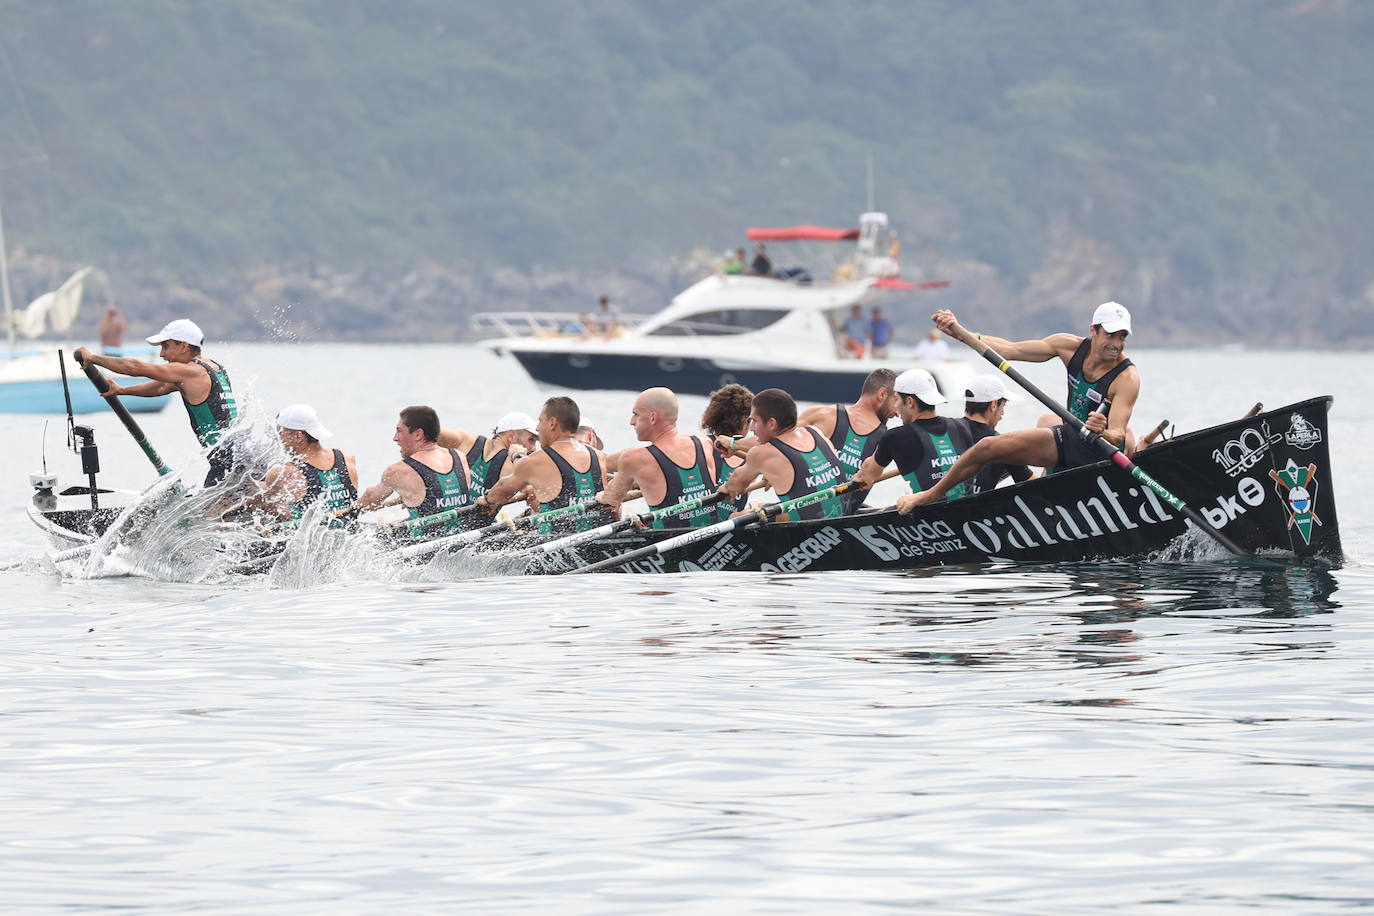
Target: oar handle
(972,340)
(1154,434)
(102,385)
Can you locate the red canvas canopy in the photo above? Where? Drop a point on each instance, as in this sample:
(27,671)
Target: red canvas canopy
(801,233)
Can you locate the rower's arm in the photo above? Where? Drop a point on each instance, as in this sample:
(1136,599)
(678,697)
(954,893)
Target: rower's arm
(171,373)
(869,471)
(145,390)
(619,486)
(283,486)
(821,416)
(375,495)
(1123,395)
(745,474)
(1026,351)
(509,488)
(460,439)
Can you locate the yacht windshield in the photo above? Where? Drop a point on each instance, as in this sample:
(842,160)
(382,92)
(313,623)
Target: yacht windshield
(722,321)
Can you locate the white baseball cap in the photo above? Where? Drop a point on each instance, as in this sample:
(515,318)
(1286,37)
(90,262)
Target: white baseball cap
(183,329)
(303,418)
(514,420)
(920,383)
(586,423)
(1113,317)
(985,388)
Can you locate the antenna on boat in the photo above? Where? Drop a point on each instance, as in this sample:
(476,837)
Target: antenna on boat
(868,157)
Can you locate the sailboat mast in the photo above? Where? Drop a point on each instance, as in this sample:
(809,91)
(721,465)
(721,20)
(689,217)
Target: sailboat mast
(5,283)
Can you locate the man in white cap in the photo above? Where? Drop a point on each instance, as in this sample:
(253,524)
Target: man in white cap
(203,385)
(586,432)
(1103,387)
(491,458)
(927,445)
(314,472)
(985,403)
(673,467)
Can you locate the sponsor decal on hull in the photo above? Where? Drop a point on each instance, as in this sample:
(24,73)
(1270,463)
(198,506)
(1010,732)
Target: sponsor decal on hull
(1298,487)
(805,553)
(1302,434)
(1244,452)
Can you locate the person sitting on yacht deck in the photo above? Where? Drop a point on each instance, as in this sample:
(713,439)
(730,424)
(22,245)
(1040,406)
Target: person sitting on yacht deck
(985,403)
(762,265)
(202,383)
(926,445)
(429,478)
(313,472)
(734,262)
(794,460)
(564,471)
(673,467)
(839,423)
(933,348)
(855,332)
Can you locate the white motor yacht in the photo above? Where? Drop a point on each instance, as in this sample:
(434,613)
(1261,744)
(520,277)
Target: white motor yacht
(784,330)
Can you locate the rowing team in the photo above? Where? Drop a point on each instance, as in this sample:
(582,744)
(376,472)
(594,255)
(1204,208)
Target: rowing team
(751,440)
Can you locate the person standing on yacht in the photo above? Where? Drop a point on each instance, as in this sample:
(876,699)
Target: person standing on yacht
(855,332)
(880,334)
(111,330)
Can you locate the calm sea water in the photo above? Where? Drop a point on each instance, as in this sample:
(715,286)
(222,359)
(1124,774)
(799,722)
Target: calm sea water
(994,739)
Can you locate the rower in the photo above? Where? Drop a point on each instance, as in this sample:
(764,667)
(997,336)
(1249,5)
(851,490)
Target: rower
(1103,387)
(841,424)
(985,403)
(586,433)
(490,459)
(926,445)
(726,419)
(672,468)
(313,474)
(564,471)
(794,460)
(203,385)
(429,479)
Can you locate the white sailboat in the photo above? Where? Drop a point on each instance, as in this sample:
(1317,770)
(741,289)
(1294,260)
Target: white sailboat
(31,377)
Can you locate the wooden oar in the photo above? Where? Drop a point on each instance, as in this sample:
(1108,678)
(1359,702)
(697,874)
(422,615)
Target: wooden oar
(1118,457)
(102,385)
(498,527)
(1154,434)
(764,514)
(1259,407)
(644,518)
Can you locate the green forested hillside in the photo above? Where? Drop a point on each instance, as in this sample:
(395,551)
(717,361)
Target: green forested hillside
(1207,157)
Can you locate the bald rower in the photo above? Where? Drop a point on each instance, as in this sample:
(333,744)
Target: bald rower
(673,467)
(794,460)
(429,479)
(564,471)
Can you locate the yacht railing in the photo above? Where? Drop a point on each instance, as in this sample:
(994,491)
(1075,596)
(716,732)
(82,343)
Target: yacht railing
(486,325)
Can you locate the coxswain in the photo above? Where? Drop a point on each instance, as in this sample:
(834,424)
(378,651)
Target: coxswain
(926,445)
(1102,391)
(314,473)
(564,471)
(492,457)
(429,478)
(841,424)
(202,383)
(794,460)
(726,420)
(673,467)
(985,403)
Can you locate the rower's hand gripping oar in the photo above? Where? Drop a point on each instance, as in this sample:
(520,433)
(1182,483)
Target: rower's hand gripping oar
(765,514)
(502,526)
(1118,457)
(644,518)
(102,385)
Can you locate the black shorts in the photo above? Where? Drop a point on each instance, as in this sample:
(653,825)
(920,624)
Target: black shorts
(1073,452)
